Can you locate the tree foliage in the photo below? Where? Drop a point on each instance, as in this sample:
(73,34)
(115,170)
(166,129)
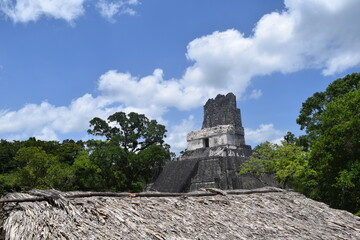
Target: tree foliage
(35,164)
(312,109)
(133,151)
(288,162)
(324,164)
(336,153)
(133,132)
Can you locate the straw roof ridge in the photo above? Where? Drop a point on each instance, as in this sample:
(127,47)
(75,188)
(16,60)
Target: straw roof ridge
(267,213)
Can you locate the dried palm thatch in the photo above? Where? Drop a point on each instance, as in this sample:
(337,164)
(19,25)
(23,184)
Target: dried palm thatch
(268,213)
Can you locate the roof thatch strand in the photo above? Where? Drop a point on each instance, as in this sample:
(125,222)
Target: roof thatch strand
(237,214)
(51,195)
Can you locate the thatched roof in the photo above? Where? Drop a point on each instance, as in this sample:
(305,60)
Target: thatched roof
(242,214)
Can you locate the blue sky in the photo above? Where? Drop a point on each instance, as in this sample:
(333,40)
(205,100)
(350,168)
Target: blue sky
(63,62)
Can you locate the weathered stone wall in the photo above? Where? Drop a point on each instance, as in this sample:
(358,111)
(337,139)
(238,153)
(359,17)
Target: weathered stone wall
(222,173)
(213,131)
(176,176)
(221,111)
(216,136)
(220,151)
(216,171)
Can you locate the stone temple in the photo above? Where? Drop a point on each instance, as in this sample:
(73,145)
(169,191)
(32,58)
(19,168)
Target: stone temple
(213,154)
(221,127)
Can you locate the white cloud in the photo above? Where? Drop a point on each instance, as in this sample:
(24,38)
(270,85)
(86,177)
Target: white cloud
(109,9)
(177,134)
(133,2)
(151,90)
(255,94)
(47,134)
(129,11)
(278,141)
(45,120)
(308,34)
(265,132)
(31,10)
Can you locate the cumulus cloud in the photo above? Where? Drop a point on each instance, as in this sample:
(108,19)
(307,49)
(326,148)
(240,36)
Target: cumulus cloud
(177,134)
(255,94)
(45,120)
(109,9)
(151,90)
(31,10)
(307,34)
(265,132)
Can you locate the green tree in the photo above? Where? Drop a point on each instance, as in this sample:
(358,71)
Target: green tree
(8,183)
(134,149)
(38,169)
(261,161)
(113,163)
(87,175)
(7,152)
(60,176)
(48,146)
(68,150)
(288,162)
(302,141)
(312,109)
(133,132)
(335,153)
(290,138)
(34,163)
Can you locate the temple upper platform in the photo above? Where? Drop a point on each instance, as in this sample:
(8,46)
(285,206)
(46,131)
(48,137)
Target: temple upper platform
(222,125)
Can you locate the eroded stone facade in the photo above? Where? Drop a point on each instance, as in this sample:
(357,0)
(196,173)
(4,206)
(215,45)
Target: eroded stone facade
(222,135)
(221,110)
(214,154)
(221,127)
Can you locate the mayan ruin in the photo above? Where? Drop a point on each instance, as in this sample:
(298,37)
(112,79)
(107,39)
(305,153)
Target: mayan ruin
(213,154)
